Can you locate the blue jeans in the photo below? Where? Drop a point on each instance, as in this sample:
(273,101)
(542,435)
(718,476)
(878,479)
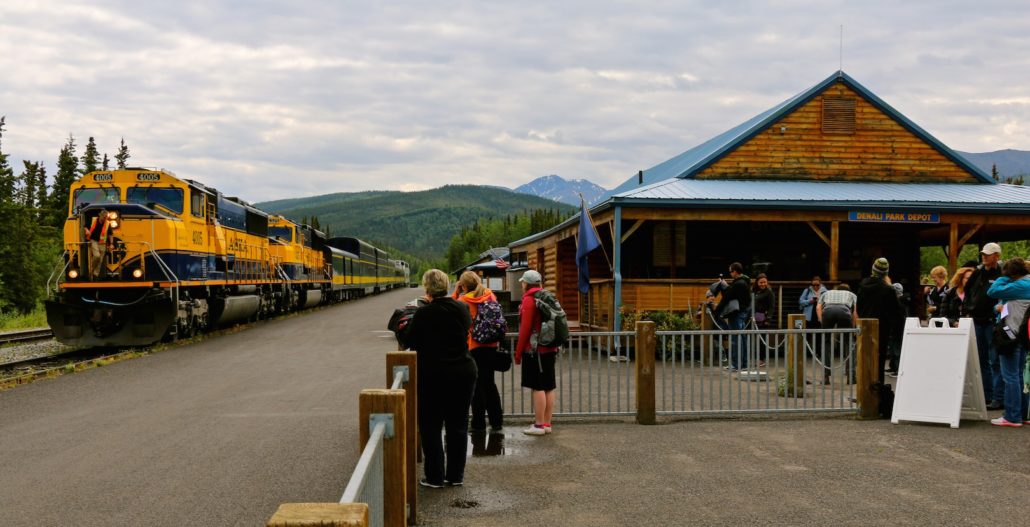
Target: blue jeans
(990,371)
(1012,373)
(738,343)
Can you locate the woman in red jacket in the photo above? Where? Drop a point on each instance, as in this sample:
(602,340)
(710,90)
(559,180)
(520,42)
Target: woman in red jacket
(538,372)
(486,399)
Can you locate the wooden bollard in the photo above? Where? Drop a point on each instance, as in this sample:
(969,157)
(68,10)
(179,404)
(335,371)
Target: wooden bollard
(866,368)
(394,450)
(645,372)
(321,514)
(409,359)
(795,382)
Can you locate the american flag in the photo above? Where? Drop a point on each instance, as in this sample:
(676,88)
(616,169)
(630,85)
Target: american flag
(501,264)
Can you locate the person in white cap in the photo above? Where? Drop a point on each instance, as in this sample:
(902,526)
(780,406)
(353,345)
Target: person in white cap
(981,308)
(538,372)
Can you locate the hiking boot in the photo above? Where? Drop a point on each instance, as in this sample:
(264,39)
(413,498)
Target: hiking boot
(535,430)
(1001,421)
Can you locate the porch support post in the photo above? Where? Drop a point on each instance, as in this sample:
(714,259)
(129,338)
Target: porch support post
(834,249)
(617,264)
(953,249)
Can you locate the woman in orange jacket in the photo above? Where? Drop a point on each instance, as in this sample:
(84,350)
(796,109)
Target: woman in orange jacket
(486,400)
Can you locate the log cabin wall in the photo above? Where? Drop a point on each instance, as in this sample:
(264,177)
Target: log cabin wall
(876,148)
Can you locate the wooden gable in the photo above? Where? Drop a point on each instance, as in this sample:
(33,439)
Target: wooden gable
(838,135)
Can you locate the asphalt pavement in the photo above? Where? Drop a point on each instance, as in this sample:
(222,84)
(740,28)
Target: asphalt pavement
(783,471)
(218,432)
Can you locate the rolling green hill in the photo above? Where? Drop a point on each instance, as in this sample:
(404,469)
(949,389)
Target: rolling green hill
(420,223)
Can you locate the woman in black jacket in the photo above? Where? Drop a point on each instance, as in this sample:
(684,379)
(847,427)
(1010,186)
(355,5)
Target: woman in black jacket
(955,297)
(446,377)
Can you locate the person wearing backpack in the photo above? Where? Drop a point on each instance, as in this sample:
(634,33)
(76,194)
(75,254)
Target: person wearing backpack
(486,400)
(538,372)
(1013,287)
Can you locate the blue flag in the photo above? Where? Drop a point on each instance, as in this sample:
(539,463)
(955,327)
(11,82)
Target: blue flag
(588,241)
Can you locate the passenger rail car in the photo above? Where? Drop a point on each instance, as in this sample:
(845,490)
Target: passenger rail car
(186,258)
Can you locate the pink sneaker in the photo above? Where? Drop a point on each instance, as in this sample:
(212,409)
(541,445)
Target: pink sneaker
(1002,422)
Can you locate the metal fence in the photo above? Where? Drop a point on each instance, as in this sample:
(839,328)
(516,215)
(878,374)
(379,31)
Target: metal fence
(366,483)
(702,372)
(698,373)
(593,373)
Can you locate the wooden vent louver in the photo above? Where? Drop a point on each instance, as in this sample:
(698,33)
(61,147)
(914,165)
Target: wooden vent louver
(838,115)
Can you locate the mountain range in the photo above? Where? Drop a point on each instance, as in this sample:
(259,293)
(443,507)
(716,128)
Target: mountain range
(563,190)
(419,223)
(1010,163)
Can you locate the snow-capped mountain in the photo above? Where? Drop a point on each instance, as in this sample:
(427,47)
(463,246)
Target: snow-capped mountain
(562,190)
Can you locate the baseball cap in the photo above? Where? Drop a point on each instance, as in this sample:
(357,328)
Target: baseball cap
(530,277)
(991,248)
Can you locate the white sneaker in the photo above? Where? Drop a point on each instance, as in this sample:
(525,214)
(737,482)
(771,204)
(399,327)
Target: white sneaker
(547,430)
(535,430)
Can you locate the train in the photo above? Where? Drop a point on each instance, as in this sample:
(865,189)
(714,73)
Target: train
(185,258)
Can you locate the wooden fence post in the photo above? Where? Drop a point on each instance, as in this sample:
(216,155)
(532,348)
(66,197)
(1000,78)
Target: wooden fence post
(323,514)
(866,368)
(394,450)
(795,382)
(645,346)
(410,360)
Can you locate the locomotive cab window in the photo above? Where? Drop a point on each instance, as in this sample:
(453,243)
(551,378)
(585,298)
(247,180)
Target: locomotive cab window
(94,196)
(169,198)
(197,204)
(283,233)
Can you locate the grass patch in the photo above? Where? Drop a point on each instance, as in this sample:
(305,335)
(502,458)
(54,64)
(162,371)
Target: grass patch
(14,321)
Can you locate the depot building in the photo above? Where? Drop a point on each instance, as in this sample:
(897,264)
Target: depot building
(821,184)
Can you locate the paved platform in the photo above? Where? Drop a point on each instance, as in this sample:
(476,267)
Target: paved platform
(836,471)
(214,433)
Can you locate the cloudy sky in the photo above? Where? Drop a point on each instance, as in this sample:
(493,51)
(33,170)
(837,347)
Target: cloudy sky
(269,99)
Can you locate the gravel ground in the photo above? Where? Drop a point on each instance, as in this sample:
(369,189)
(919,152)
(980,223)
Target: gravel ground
(31,350)
(743,472)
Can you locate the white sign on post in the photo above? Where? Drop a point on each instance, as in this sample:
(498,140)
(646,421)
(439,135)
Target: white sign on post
(939,374)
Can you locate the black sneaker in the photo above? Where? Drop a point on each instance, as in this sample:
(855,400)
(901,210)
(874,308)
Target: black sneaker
(995,405)
(453,483)
(425,483)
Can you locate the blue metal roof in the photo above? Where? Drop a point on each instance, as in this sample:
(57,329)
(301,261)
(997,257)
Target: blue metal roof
(830,195)
(689,163)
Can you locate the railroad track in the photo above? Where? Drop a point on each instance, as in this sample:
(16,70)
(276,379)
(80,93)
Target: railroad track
(28,335)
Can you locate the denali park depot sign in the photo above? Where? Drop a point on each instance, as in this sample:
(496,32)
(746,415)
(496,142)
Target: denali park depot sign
(894,217)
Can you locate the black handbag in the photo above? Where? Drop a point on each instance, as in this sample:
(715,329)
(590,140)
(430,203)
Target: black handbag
(1006,337)
(500,359)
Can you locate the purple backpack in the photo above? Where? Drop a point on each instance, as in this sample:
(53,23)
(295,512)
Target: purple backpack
(489,325)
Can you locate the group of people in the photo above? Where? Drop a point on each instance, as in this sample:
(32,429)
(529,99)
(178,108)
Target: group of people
(990,293)
(456,372)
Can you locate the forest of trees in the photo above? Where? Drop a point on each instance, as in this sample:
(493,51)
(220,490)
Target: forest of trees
(32,210)
(467,245)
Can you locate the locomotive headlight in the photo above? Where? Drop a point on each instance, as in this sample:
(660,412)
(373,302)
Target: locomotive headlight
(114,224)
(73,274)
(113,215)
(137,273)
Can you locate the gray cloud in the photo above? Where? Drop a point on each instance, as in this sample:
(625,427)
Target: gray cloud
(282,99)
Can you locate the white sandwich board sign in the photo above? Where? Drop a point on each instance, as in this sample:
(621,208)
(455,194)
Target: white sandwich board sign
(939,374)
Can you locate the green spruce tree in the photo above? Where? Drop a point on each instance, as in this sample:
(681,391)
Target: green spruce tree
(90,158)
(107,164)
(7,181)
(67,173)
(994,171)
(123,155)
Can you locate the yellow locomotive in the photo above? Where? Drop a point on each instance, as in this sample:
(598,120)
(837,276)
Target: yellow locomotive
(183,257)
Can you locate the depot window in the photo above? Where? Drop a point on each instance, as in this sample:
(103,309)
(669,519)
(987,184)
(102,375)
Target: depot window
(169,198)
(94,196)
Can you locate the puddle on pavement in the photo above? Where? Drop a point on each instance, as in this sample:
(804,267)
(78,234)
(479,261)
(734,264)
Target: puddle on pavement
(490,445)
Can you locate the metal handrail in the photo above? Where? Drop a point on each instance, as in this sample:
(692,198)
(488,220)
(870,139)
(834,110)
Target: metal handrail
(363,468)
